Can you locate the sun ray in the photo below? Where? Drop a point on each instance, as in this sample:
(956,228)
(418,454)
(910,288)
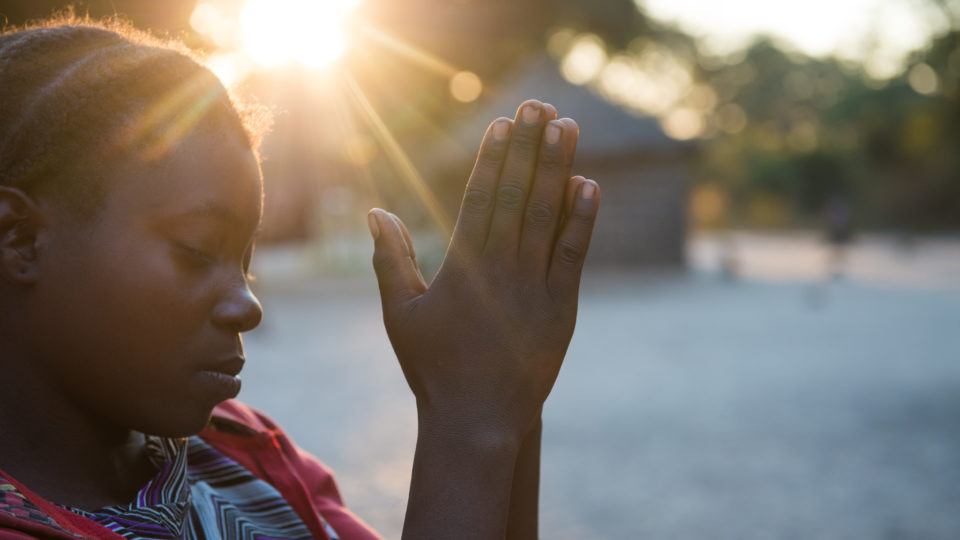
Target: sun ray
(417,119)
(347,125)
(399,158)
(170,118)
(411,52)
(410,174)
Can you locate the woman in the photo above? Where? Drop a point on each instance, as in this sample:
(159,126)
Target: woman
(130,195)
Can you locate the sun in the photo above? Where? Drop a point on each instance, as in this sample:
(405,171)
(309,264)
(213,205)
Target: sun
(275,33)
(311,33)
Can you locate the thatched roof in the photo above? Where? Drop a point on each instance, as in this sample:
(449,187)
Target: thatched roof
(606,129)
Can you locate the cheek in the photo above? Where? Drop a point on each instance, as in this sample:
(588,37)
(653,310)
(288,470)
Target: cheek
(156,302)
(130,309)
(127,326)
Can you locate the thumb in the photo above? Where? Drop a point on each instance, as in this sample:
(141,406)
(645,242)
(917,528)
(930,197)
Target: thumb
(397,272)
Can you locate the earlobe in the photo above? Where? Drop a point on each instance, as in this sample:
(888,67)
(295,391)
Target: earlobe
(19,225)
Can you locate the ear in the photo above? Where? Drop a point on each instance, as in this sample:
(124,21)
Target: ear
(20,220)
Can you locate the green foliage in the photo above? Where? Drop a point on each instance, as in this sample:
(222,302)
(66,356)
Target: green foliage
(617,21)
(818,130)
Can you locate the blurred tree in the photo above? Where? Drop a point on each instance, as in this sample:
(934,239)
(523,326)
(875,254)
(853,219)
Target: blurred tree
(817,129)
(950,10)
(616,21)
(489,36)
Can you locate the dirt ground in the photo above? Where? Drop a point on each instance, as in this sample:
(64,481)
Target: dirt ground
(778,403)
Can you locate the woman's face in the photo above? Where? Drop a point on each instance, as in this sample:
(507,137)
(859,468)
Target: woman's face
(134,311)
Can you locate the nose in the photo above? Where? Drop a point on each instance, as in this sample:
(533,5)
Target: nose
(240,311)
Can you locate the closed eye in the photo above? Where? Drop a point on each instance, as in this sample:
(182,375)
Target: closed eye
(198,255)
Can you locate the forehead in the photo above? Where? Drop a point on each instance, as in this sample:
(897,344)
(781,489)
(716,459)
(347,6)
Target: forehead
(206,171)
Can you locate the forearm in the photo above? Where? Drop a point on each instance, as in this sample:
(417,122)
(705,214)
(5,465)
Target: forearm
(523,522)
(461,483)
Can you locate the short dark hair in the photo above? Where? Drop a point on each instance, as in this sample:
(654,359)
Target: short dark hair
(77,93)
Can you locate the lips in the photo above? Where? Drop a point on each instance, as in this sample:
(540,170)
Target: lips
(218,380)
(230,366)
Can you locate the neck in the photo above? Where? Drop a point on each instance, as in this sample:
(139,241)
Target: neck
(57,449)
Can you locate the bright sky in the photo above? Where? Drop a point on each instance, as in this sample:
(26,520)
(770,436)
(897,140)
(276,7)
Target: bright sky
(817,27)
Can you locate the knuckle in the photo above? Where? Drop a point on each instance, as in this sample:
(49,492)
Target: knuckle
(477,200)
(540,213)
(551,165)
(569,252)
(489,156)
(552,153)
(510,196)
(584,218)
(526,143)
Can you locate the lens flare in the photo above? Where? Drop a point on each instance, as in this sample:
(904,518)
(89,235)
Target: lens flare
(466,86)
(306,32)
(274,33)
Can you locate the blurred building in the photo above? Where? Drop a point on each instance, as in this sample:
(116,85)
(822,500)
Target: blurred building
(643,173)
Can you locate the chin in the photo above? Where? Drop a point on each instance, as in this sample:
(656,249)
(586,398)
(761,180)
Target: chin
(178,421)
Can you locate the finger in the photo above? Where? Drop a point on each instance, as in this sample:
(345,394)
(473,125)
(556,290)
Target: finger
(545,206)
(473,224)
(570,250)
(550,112)
(515,181)
(573,187)
(408,243)
(396,271)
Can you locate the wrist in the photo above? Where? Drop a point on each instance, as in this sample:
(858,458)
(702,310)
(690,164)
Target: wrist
(468,434)
(461,480)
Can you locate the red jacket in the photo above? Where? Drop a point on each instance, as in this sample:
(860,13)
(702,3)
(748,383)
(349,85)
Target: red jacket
(252,440)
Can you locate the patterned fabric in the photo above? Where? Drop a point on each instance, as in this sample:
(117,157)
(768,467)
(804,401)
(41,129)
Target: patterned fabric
(200,493)
(160,505)
(14,504)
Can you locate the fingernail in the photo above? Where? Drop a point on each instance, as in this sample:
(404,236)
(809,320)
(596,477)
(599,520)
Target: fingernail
(531,113)
(552,133)
(500,129)
(374,224)
(587,191)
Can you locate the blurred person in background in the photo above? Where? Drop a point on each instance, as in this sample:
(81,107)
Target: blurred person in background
(130,197)
(838,221)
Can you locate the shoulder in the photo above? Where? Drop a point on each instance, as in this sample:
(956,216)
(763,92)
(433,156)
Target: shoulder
(237,412)
(254,440)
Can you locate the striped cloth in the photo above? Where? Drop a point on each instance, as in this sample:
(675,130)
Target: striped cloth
(199,493)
